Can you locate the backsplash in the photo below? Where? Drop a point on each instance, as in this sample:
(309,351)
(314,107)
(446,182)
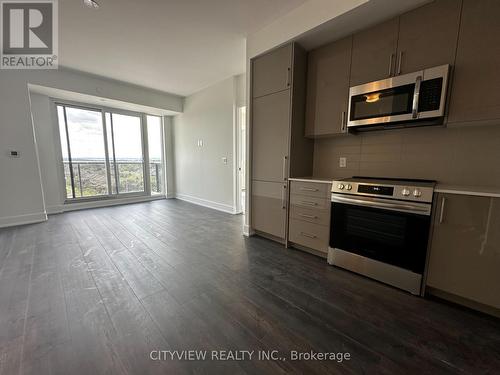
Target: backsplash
(466,156)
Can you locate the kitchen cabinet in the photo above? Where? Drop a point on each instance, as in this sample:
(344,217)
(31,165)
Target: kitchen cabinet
(475,94)
(464,257)
(419,39)
(272,72)
(374,53)
(269,208)
(271,121)
(279,148)
(328,89)
(428,36)
(309,224)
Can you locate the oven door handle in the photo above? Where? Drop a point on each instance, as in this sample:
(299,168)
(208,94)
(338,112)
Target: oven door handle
(416,208)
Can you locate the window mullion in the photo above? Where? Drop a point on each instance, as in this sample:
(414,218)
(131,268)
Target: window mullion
(106,152)
(70,161)
(145,155)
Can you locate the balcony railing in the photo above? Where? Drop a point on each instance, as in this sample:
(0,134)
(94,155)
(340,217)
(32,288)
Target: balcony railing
(90,177)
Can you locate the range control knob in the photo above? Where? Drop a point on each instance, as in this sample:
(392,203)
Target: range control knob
(348,187)
(417,193)
(340,186)
(405,192)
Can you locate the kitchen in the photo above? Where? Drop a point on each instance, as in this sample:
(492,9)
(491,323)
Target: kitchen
(378,151)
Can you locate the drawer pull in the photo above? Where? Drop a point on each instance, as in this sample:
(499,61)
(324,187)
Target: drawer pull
(307,203)
(308,189)
(308,216)
(308,235)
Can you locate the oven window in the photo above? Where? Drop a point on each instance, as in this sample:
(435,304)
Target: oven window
(392,237)
(389,102)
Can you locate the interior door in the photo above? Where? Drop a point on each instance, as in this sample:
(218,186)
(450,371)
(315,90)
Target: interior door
(272,72)
(374,53)
(270,137)
(475,94)
(428,36)
(328,88)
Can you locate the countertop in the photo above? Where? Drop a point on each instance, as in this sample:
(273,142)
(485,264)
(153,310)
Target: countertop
(468,190)
(313,179)
(440,188)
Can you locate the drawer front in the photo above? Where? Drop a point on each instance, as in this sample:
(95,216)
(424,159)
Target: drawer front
(310,235)
(310,202)
(311,189)
(311,215)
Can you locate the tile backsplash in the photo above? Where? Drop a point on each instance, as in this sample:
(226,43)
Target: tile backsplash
(464,156)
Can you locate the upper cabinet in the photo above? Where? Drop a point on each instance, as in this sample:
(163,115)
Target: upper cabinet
(475,94)
(328,89)
(374,53)
(428,36)
(422,38)
(272,72)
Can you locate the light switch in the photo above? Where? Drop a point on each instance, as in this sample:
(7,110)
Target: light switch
(224,160)
(14,154)
(342,162)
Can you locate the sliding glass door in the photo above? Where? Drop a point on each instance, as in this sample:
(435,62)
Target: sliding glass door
(106,153)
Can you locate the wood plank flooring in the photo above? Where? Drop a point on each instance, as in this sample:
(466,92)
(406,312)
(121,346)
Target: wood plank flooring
(95,291)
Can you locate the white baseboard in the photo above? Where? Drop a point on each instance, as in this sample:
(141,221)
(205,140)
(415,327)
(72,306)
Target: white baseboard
(54,209)
(107,203)
(11,221)
(206,203)
(247,231)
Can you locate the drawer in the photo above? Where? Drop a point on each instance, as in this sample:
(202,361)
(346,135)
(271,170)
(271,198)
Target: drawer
(311,189)
(310,202)
(311,215)
(310,235)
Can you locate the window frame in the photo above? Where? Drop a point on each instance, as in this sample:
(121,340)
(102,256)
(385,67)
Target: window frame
(112,195)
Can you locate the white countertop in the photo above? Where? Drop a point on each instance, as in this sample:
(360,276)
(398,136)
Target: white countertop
(468,190)
(319,180)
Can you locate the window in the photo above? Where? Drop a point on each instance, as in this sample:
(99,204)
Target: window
(104,152)
(155,143)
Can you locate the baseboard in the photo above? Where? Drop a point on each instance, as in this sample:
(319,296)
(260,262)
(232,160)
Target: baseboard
(51,210)
(107,203)
(206,203)
(247,231)
(11,221)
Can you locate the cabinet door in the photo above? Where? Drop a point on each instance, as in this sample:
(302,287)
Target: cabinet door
(374,53)
(272,72)
(475,92)
(328,88)
(269,207)
(465,256)
(428,36)
(270,136)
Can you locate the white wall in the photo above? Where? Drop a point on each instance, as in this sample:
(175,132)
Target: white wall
(21,192)
(200,174)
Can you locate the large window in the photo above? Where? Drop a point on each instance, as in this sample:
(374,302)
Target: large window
(107,153)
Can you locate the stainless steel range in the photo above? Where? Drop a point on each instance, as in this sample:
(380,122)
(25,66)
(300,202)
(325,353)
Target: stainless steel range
(380,229)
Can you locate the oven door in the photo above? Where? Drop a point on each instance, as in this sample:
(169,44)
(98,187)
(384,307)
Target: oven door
(379,230)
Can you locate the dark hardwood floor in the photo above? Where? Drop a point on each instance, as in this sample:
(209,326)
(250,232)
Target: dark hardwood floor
(95,291)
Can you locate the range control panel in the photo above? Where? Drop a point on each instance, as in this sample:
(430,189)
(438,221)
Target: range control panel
(422,192)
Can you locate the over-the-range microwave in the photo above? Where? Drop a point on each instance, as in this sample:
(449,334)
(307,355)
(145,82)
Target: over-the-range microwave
(408,100)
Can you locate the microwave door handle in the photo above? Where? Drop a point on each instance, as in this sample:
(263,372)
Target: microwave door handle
(416,97)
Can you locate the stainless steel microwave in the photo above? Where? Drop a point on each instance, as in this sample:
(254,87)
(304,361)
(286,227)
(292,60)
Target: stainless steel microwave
(404,99)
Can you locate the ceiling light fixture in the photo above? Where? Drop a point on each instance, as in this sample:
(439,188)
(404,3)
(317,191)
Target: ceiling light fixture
(91,4)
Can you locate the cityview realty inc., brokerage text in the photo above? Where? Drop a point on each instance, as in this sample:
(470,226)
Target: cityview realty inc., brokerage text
(247,355)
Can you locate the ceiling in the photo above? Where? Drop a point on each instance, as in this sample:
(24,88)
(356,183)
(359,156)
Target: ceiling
(176,46)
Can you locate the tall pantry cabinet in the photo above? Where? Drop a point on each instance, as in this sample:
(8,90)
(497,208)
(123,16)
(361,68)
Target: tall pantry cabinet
(279,148)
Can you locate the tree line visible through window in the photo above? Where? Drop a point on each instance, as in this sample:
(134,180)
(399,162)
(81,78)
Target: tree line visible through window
(105,153)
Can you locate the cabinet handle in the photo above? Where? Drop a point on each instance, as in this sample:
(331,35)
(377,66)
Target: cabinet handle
(391,57)
(343,122)
(441,214)
(308,189)
(400,61)
(307,203)
(284,168)
(288,77)
(307,235)
(308,216)
(283,199)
